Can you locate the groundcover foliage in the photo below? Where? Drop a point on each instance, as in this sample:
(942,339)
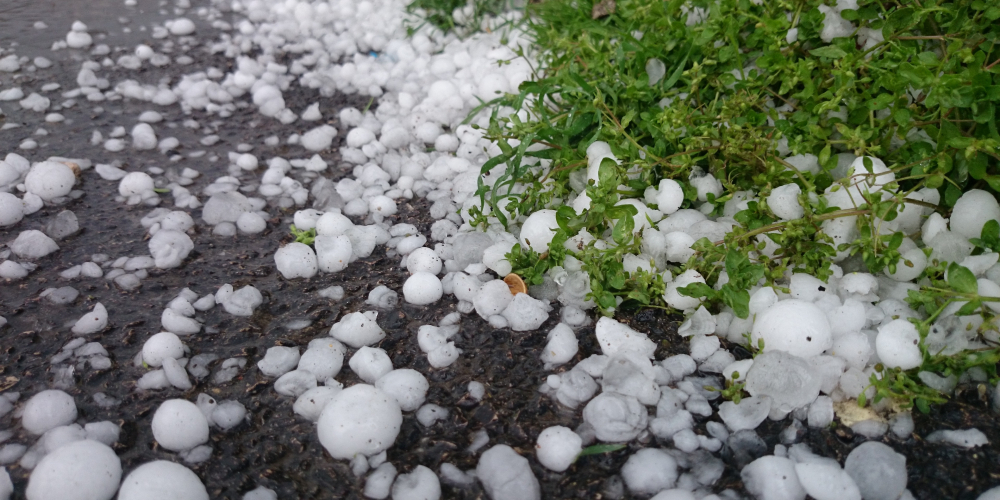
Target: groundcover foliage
(731,87)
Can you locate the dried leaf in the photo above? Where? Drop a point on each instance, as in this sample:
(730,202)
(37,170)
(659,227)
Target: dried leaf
(602,9)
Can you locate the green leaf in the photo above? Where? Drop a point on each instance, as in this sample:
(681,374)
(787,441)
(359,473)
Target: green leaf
(599,449)
(739,300)
(969,308)
(961,279)
(830,51)
(623,229)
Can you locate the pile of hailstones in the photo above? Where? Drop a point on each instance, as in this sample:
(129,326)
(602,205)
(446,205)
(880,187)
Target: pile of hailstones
(821,340)
(74,459)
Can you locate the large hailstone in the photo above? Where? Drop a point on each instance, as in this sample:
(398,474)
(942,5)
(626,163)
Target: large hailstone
(359,420)
(49,180)
(972,211)
(538,230)
(84,470)
(179,425)
(794,326)
(162,480)
(48,410)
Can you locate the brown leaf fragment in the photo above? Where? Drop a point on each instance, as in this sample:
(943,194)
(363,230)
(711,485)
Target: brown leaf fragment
(602,9)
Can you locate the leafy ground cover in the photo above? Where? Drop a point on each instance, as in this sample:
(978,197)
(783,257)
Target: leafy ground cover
(739,102)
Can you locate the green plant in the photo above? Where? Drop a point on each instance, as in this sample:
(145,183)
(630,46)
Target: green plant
(308,236)
(916,85)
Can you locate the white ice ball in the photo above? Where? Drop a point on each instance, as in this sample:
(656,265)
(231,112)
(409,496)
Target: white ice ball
(794,326)
(162,480)
(179,425)
(972,211)
(422,288)
(161,346)
(673,297)
(49,180)
(557,447)
(84,470)
(408,387)
(169,248)
(135,183)
(898,345)
(423,259)
(11,209)
(784,202)
(538,230)
(669,197)
(359,419)
(358,329)
(48,410)
(296,260)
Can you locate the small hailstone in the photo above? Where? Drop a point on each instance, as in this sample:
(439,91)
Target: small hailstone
(423,259)
(318,138)
(294,383)
(419,484)
(788,380)
(784,202)
(358,329)
(48,410)
(967,438)
(561,347)
(649,471)
(143,137)
(429,414)
(669,196)
(507,475)
(379,482)
(359,420)
(422,288)
(49,180)
(296,260)
(279,360)
(333,253)
(972,211)
(772,477)
(179,425)
(538,230)
(312,113)
(826,481)
(11,210)
(492,298)
(93,321)
(169,248)
(162,480)
(558,447)
(310,404)
(898,345)
(370,363)
(672,296)
(748,414)
(794,326)
(161,346)
(877,470)
(324,358)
